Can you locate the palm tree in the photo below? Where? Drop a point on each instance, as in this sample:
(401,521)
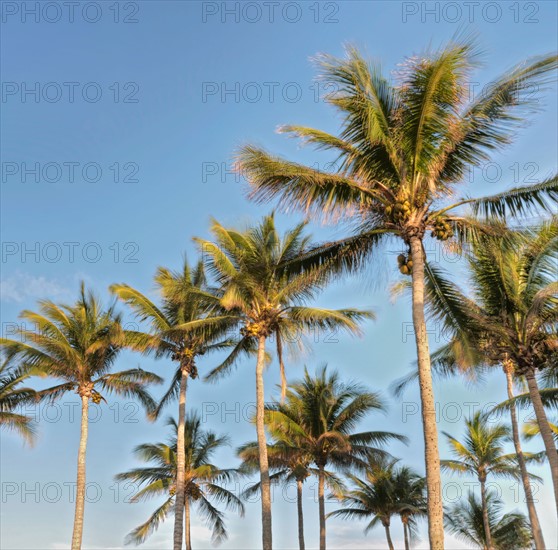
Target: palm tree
(401,152)
(319,417)
(482,454)
(189,324)
(286,465)
(12,395)
(510,321)
(381,495)
(267,297)
(410,488)
(78,344)
(508,532)
(203,480)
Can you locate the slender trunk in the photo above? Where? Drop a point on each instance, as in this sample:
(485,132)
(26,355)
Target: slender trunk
(546,432)
(406,533)
(533,517)
(300,516)
(485,522)
(321,507)
(80,488)
(262,448)
(388,536)
(431,453)
(180,464)
(187,523)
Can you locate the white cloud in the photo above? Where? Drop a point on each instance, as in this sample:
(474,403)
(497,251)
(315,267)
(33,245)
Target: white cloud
(21,287)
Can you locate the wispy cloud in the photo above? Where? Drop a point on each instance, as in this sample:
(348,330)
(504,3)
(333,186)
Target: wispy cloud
(21,287)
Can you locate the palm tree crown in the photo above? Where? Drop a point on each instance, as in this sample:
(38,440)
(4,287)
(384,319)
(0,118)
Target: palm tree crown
(13,395)
(482,451)
(259,286)
(78,344)
(189,323)
(203,480)
(509,531)
(386,491)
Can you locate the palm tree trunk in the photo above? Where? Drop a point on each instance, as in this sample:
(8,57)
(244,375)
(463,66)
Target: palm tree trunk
(80,489)
(432,456)
(533,517)
(187,523)
(262,447)
(485,522)
(321,506)
(388,536)
(546,432)
(300,515)
(406,533)
(180,464)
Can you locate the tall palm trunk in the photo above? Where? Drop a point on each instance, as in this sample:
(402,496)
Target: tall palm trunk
(300,515)
(388,536)
(485,522)
(406,533)
(262,447)
(432,456)
(80,489)
(180,464)
(321,506)
(546,432)
(533,517)
(187,524)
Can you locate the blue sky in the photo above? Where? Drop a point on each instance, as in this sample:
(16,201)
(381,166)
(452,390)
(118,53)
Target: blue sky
(131,111)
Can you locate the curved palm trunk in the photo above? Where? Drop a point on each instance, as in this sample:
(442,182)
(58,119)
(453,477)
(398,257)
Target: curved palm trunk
(406,533)
(262,447)
(321,506)
(300,515)
(533,517)
(180,465)
(432,456)
(485,522)
(80,488)
(187,524)
(546,432)
(388,536)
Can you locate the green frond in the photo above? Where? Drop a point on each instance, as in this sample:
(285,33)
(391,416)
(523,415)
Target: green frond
(142,306)
(303,187)
(328,319)
(142,532)
(527,200)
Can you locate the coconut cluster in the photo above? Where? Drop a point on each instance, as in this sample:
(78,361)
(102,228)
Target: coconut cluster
(405,264)
(253,329)
(96,397)
(264,325)
(399,212)
(442,229)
